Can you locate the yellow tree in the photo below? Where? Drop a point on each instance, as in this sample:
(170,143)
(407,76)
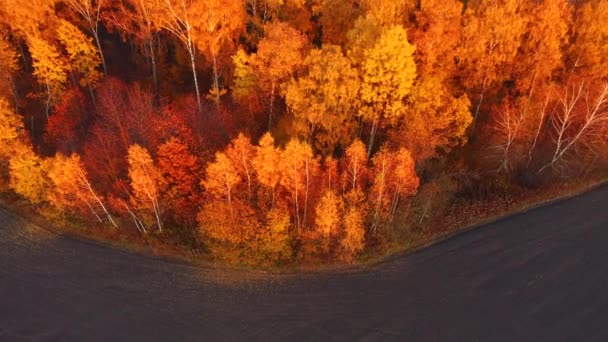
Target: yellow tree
(242,153)
(388,73)
(133,18)
(27,174)
(328,219)
(298,167)
(221,179)
(394,177)
(267,165)
(27,18)
(90,11)
(71,188)
(178,17)
(274,238)
(8,63)
(146,182)
(540,54)
(354,166)
(323,98)
(217,23)
(588,52)
(279,54)
(353,240)
(84,59)
(435,120)
(11,130)
(389,12)
(337,18)
(362,37)
(50,68)
(437,34)
(492,35)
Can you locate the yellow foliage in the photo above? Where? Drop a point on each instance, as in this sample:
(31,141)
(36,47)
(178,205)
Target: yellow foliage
(266,162)
(279,53)
(221,177)
(389,12)
(354,165)
(274,238)
(493,32)
(323,98)
(353,241)
(82,53)
(437,36)
(589,52)
(28,174)
(361,37)
(435,120)
(328,217)
(70,190)
(11,129)
(388,71)
(50,67)
(8,63)
(147,183)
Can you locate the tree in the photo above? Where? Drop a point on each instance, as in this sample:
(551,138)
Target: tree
(579,126)
(83,57)
(27,18)
(492,34)
(540,54)
(323,98)
(388,73)
(147,183)
(588,51)
(181,171)
(353,241)
(279,54)
(354,166)
(50,68)
(134,18)
(298,167)
(11,130)
(242,153)
(64,130)
(90,11)
(394,177)
(178,18)
(362,37)
(221,178)
(27,174)
(71,189)
(8,63)
(337,18)
(267,165)
(274,238)
(389,12)
(435,121)
(217,22)
(328,219)
(437,34)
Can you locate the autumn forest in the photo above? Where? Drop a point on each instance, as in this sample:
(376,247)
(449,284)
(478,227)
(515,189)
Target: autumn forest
(281,132)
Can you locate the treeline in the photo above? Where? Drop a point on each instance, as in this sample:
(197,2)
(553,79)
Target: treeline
(295,131)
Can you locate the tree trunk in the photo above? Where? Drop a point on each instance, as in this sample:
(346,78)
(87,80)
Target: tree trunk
(103,59)
(372,136)
(193,65)
(271,105)
(216,82)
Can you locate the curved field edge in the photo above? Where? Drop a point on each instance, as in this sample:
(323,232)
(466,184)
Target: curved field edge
(472,216)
